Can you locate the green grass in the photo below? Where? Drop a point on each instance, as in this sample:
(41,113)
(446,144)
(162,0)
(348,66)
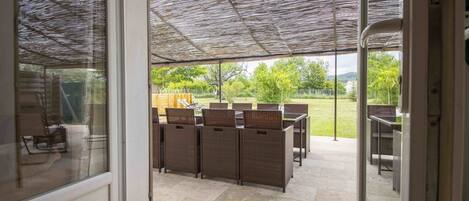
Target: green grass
(322,115)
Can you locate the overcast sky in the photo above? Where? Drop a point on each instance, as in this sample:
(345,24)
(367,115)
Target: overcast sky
(345,63)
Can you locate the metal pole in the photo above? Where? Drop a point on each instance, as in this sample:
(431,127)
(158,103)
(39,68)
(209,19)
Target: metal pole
(335,95)
(219,81)
(361,103)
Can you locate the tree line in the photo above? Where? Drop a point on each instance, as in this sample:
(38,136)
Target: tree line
(278,82)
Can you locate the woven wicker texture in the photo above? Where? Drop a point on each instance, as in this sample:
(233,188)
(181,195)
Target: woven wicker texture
(220,152)
(218,105)
(209,30)
(263,119)
(267,106)
(266,156)
(219,117)
(72,33)
(180,116)
(242,106)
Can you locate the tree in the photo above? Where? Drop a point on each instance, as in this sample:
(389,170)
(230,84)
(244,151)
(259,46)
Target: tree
(276,84)
(186,85)
(383,77)
(314,75)
(162,76)
(229,71)
(232,89)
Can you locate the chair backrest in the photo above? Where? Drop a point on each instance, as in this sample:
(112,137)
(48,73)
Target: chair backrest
(263,119)
(267,106)
(242,106)
(296,108)
(180,116)
(218,105)
(154,115)
(30,116)
(219,117)
(381,110)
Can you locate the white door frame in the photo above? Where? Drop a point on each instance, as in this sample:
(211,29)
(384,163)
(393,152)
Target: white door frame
(109,182)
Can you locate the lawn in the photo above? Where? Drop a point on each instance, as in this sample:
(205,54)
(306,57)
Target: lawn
(322,115)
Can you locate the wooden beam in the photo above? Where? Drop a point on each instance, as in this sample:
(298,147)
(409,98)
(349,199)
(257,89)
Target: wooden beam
(179,32)
(247,27)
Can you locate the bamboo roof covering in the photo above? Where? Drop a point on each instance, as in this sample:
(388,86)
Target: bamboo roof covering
(62,32)
(73,32)
(185,31)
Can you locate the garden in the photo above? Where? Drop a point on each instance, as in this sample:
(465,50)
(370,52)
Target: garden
(288,80)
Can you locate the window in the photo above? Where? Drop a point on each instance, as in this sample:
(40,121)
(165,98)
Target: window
(54,115)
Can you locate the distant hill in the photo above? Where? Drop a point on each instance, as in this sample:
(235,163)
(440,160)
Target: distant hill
(344,77)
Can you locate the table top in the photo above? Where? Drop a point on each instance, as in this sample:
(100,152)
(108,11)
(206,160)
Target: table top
(392,121)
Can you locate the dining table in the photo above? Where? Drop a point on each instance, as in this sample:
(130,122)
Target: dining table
(290,118)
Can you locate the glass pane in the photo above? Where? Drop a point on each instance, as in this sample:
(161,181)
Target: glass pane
(59,85)
(383,140)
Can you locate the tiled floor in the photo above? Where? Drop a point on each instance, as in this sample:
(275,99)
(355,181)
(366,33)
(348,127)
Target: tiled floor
(328,174)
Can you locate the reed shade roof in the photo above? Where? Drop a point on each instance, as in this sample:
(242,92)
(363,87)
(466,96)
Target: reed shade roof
(185,31)
(62,32)
(73,32)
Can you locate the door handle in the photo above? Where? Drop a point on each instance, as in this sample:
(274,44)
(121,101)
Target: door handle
(385,26)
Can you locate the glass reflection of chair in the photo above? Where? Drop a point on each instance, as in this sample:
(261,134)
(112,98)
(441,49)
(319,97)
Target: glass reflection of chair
(33,125)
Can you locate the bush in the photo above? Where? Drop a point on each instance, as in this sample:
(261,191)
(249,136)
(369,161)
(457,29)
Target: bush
(231,90)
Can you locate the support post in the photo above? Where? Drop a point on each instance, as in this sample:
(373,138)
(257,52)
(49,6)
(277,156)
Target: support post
(335,95)
(219,81)
(362,102)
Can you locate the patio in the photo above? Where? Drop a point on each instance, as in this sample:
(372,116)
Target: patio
(328,174)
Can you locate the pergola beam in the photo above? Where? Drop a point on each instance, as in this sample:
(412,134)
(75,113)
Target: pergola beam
(162,57)
(247,28)
(254,58)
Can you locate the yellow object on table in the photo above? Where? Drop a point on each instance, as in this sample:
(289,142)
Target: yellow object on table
(169,100)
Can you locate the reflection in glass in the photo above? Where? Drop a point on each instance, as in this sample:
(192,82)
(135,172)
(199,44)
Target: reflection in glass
(60,87)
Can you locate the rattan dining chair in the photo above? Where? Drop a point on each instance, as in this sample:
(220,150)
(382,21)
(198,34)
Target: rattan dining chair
(219,144)
(266,155)
(158,141)
(300,109)
(181,141)
(241,106)
(372,131)
(268,106)
(218,105)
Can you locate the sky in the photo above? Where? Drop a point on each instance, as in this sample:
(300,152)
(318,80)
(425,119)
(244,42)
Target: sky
(345,63)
